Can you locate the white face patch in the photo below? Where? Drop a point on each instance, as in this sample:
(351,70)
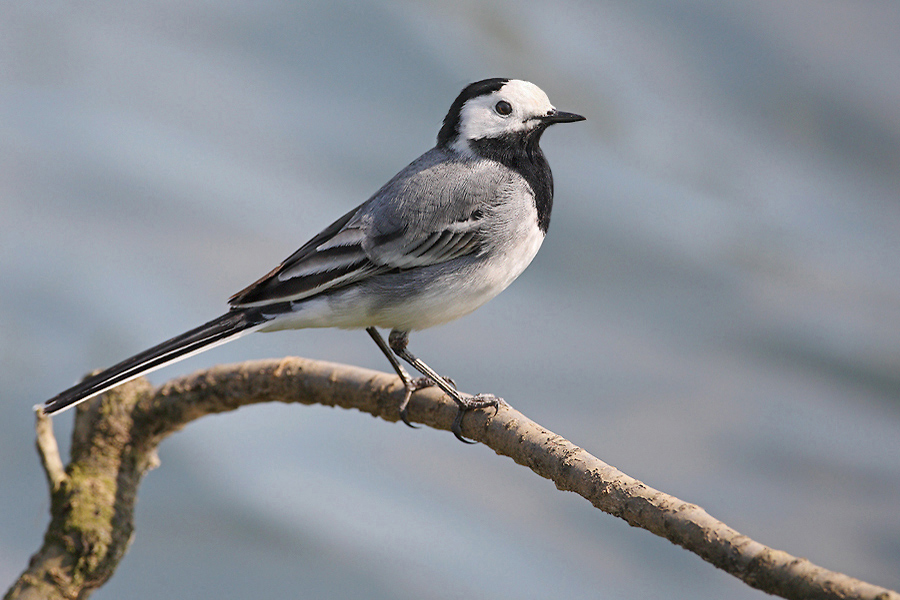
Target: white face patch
(479,117)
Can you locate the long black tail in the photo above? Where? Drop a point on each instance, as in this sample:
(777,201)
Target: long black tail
(229,326)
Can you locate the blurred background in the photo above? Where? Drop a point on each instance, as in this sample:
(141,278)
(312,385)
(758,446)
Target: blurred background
(716,309)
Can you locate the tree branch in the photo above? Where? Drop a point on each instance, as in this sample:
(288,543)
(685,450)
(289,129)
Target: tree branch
(48,450)
(115,438)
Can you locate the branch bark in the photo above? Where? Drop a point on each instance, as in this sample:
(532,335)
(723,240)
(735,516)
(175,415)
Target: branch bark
(115,438)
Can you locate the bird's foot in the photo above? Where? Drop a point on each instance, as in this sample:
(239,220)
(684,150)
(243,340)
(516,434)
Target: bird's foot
(419,383)
(472,403)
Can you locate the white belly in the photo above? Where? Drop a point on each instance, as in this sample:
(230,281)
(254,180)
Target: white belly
(430,296)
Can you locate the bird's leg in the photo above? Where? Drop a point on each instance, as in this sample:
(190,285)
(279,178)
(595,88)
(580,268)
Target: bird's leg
(411,385)
(398,341)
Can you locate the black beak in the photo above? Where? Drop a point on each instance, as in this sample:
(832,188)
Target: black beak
(558,116)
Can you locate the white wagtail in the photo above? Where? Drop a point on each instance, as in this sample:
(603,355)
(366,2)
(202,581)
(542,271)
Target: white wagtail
(445,235)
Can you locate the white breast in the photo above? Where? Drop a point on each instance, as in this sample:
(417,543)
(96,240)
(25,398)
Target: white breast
(426,296)
(456,293)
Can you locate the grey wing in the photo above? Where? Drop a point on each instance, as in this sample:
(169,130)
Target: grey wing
(434,215)
(309,270)
(431,212)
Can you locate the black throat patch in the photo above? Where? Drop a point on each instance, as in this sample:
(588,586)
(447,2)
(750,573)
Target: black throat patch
(522,153)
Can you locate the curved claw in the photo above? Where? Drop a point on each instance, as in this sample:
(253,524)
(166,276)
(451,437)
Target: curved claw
(419,383)
(474,402)
(457,425)
(405,419)
(404,408)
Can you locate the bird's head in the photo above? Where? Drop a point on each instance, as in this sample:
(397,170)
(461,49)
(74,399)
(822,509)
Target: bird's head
(499,109)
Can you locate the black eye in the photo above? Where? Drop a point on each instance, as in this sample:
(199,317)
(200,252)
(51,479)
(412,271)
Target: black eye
(503,108)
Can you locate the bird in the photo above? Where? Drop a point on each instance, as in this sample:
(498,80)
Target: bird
(445,235)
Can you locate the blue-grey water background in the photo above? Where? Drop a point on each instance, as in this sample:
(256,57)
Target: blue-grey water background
(716,309)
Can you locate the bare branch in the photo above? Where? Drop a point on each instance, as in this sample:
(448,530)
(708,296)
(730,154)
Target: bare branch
(48,450)
(115,439)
